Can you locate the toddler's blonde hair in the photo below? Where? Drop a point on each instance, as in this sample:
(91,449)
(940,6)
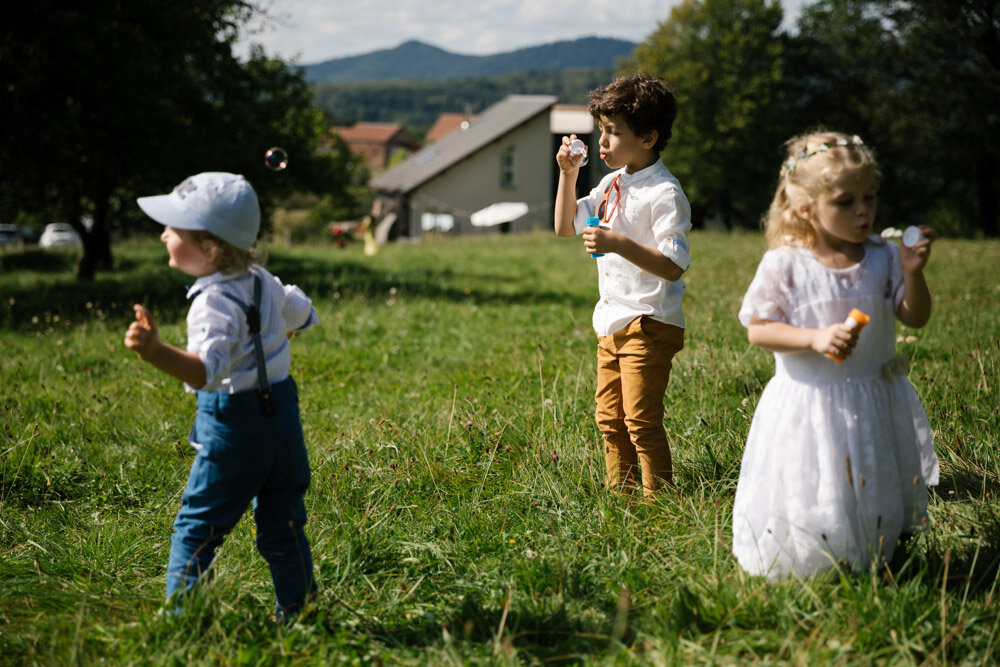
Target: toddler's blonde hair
(230,259)
(812,162)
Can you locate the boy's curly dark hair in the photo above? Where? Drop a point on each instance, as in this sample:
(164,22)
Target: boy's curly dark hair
(646,103)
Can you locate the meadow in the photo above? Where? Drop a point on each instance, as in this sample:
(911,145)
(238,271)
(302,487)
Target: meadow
(456,508)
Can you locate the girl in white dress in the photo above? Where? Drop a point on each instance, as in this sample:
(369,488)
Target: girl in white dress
(839,454)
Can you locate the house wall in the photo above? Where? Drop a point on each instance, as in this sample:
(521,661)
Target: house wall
(474,183)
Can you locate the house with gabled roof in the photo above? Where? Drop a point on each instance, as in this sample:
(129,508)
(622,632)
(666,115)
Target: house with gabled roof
(505,154)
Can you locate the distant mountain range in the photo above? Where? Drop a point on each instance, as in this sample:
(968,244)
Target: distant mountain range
(417,61)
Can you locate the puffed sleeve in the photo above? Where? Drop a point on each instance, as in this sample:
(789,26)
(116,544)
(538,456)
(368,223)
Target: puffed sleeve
(767,298)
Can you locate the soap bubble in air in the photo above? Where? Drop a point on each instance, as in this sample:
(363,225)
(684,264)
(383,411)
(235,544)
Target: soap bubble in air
(276,159)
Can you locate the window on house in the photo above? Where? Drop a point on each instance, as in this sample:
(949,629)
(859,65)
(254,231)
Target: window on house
(507,168)
(432,220)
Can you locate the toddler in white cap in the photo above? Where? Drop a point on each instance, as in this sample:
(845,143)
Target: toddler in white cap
(247,431)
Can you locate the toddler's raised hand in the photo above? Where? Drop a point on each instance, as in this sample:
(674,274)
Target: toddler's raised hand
(142,335)
(837,340)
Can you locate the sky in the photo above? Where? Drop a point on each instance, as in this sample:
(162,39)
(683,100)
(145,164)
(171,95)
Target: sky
(312,31)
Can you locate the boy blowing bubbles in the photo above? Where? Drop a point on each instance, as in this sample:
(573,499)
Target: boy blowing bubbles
(642,245)
(247,430)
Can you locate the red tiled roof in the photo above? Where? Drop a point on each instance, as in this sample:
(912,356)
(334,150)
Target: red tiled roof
(446,124)
(369,132)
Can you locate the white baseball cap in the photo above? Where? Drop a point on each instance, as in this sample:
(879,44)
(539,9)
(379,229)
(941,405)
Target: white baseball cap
(213,201)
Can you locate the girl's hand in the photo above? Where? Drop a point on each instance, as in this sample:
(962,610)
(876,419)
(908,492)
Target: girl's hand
(567,163)
(837,339)
(142,335)
(913,259)
(597,240)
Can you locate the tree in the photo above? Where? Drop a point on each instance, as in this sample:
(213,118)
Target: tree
(119,98)
(947,106)
(841,70)
(725,59)
(921,82)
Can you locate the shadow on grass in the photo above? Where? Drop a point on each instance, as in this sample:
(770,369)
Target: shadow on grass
(322,278)
(969,562)
(960,484)
(42,285)
(545,635)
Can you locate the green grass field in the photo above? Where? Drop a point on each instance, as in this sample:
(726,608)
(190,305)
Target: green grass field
(456,510)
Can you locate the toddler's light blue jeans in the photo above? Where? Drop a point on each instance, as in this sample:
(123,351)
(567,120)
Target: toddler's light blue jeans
(246,457)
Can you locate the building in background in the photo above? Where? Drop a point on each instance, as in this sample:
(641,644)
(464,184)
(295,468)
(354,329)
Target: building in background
(504,155)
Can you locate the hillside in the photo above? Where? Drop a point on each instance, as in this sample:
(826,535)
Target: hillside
(416,61)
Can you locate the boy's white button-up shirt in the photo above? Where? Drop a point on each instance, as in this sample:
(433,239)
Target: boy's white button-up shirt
(219,334)
(653,212)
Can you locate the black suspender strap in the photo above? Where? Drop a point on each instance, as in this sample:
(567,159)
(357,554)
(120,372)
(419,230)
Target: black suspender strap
(253,324)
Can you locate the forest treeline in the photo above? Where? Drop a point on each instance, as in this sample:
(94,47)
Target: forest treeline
(417,104)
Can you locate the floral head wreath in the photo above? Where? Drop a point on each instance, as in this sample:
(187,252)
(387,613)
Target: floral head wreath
(788,166)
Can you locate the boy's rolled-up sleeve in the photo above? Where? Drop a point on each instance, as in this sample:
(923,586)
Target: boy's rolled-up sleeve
(671,223)
(298,309)
(213,332)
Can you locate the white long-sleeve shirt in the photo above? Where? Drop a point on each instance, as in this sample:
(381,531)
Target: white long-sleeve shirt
(653,212)
(219,334)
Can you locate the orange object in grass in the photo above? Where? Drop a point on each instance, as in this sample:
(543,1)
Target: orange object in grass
(856,320)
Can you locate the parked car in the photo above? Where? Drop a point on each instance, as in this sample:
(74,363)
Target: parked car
(10,237)
(59,234)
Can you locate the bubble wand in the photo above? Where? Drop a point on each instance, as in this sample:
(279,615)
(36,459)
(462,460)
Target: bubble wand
(593,221)
(857,321)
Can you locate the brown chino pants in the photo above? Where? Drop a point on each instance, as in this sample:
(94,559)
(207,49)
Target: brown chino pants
(633,368)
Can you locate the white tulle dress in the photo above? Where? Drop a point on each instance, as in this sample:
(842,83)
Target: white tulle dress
(839,456)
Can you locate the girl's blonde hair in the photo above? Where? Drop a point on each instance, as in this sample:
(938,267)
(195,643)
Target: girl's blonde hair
(813,162)
(230,259)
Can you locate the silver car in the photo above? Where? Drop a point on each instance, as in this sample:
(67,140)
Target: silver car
(59,234)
